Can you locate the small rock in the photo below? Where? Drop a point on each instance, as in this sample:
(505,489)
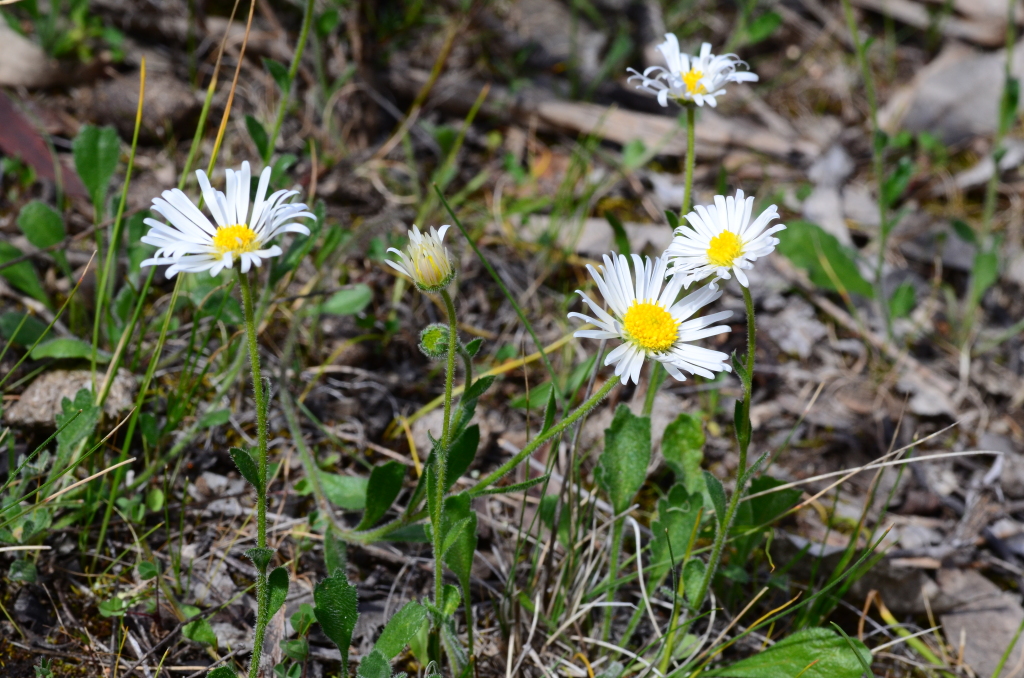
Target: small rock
(918,536)
(170,106)
(556,36)
(24,63)
(985,623)
(232,638)
(824,207)
(41,401)
(832,168)
(795,330)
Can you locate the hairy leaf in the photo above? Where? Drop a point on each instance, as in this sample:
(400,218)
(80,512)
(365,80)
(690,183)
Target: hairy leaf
(622,467)
(677,517)
(810,653)
(96,151)
(337,611)
(400,629)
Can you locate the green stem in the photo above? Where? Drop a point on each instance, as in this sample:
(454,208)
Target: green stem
(300,47)
(691,122)
(441,454)
(670,637)
(591,402)
(657,371)
(613,574)
(262,592)
(743,437)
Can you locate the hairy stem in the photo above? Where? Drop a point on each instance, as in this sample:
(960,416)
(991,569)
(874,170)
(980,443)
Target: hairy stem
(441,455)
(262,593)
(613,574)
(496,475)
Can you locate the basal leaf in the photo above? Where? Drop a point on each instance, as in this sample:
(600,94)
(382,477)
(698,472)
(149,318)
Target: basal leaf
(677,517)
(823,257)
(811,653)
(96,151)
(348,301)
(622,467)
(346,492)
(683,449)
(337,611)
(374,665)
(41,224)
(68,348)
(22,275)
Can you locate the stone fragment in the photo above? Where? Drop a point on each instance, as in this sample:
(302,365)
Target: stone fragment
(41,401)
(985,622)
(170,106)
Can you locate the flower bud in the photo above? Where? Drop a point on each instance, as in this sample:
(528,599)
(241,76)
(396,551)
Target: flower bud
(434,341)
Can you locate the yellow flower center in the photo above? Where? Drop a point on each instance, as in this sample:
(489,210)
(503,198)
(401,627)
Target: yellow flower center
(650,326)
(429,271)
(693,83)
(724,249)
(236,238)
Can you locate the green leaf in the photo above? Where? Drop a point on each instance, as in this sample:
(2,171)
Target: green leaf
(672,218)
(897,182)
(902,301)
(277,583)
(458,525)
(400,629)
(537,398)
(41,224)
(717,493)
(383,488)
(147,570)
(337,611)
(260,557)
(619,233)
(1008,104)
(215,418)
(155,499)
(462,454)
(516,487)
(258,134)
(22,570)
(550,410)
(770,506)
(79,428)
(96,152)
(473,347)
(811,653)
(677,518)
(985,273)
(22,275)
(200,630)
(478,388)
(451,599)
(622,467)
(112,607)
(349,301)
(741,422)
(222,672)
(762,27)
(68,348)
(964,231)
(693,578)
(31,329)
(683,449)
(814,250)
(246,465)
(346,492)
(279,72)
(335,556)
(374,665)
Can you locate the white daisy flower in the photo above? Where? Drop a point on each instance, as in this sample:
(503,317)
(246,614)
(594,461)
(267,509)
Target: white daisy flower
(650,322)
(425,260)
(689,78)
(192,244)
(722,240)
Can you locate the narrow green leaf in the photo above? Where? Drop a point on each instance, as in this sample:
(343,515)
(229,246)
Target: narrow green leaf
(619,233)
(258,134)
(622,466)
(693,578)
(478,388)
(31,330)
(383,488)
(984,273)
(717,493)
(279,72)
(550,410)
(462,454)
(246,466)
(762,27)
(215,418)
(277,582)
(473,347)
(222,672)
(516,487)
(902,301)
(335,555)
(96,151)
(400,629)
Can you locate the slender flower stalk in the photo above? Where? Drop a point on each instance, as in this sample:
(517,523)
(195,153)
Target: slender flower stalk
(441,456)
